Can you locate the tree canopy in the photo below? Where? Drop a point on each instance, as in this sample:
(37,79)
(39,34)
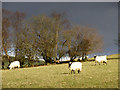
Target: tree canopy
(49,36)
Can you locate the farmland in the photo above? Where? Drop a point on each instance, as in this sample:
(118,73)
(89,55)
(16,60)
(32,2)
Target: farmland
(58,76)
(44,37)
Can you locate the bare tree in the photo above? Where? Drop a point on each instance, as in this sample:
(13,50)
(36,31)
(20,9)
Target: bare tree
(44,28)
(25,45)
(62,23)
(17,23)
(82,41)
(6,44)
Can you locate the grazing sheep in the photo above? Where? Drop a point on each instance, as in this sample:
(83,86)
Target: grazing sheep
(84,58)
(14,64)
(75,66)
(100,59)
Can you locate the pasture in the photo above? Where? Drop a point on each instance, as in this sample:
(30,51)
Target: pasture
(58,76)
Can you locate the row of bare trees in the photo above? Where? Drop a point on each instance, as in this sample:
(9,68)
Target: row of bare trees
(49,36)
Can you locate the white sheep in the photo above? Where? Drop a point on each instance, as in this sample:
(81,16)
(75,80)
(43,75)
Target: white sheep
(75,66)
(100,59)
(14,64)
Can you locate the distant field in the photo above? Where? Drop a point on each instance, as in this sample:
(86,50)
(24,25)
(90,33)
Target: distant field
(113,56)
(58,76)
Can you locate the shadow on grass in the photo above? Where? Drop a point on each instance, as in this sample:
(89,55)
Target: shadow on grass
(70,73)
(65,73)
(93,65)
(99,65)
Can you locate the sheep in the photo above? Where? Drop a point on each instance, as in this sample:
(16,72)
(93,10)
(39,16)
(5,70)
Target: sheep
(100,59)
(14,64)
(84,58)
(75,66)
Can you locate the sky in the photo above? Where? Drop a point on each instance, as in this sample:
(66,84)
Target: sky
(100,15)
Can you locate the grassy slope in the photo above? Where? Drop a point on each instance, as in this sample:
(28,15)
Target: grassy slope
(57,76)
(114,56)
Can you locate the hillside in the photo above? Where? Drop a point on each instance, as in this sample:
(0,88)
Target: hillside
(109,57)
(114,56)
(58,76)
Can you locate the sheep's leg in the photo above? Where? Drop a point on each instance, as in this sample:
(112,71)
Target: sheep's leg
(71,71)
(99,63)
(95,63)
(106,63)
(74,71)
(78,71)
(18,66)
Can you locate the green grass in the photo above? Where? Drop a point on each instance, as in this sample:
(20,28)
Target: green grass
(58,76)
(113,56)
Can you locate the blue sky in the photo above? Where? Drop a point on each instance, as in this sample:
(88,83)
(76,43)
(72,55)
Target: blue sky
(100,15)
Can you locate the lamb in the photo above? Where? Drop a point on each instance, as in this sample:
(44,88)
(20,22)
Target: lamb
(75,66)
(14,64)
(100,59)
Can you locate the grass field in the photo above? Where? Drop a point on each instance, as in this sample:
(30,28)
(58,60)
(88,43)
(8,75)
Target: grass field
(58,76)
(113,56)
(109,57)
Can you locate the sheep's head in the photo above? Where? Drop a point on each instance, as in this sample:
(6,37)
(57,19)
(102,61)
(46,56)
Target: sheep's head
(95,56)
(70,64)
(8,66)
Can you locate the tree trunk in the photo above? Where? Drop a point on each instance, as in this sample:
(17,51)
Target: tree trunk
(29,64)
(7,55)
(2,65)
(16,51)
(56,46)
(15,54)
